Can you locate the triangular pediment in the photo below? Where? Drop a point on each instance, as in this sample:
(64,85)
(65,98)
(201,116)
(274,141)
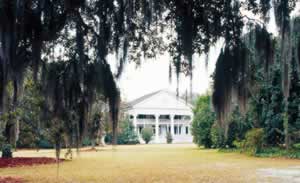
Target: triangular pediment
(161,100)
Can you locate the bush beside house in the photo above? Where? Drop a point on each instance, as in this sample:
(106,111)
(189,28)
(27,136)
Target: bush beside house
(147,134)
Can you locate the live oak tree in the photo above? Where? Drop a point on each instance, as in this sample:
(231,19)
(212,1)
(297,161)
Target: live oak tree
(66,42)
(293,122)
(236,76)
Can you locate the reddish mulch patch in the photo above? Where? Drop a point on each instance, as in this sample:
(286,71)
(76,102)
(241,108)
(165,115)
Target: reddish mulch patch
(10,180)
(16,162)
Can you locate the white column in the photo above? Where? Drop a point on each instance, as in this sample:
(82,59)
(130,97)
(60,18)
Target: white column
(136,129)
(135,123)
(156,128)
(172,124)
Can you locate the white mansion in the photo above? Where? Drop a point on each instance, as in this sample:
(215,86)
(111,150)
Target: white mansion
(163,111)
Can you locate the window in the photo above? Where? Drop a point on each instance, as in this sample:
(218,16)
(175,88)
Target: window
(182,117)
(186,130)
(164,117)
(177,117)
(145,116)
(187,117)
(140,129)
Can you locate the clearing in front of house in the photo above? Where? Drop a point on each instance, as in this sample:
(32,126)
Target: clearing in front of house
(173,163)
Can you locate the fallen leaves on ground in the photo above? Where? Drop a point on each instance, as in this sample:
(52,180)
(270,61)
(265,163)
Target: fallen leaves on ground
(16,162)
(10,180)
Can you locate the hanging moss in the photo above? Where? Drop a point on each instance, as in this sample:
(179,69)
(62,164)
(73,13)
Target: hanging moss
(264,46)
(283,8)
(229,80)
(233,74)
(296,37)
(293,102)
(298,52)
(130,28)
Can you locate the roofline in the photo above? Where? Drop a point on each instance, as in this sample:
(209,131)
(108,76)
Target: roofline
(142,98)
(129,105)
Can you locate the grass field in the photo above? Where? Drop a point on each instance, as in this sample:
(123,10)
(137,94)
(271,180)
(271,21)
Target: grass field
(151,163)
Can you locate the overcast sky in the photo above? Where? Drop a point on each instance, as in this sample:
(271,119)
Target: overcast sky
(153,74)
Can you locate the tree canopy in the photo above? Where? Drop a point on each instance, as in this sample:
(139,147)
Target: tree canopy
(66,44)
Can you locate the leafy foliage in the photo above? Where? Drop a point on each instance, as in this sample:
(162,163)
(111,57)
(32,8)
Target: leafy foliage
(238,126)
(267,105)
(293,105)
(274,109)
(217,137)
(207,132)
(127,135)
(261,76)
(278,152)
(203,120)
(254,140)
(94,128)
(235,69)
(34,34)
(147,134)
(6,151)
(31,103)
(169,138)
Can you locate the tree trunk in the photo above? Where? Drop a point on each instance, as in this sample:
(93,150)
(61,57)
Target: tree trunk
(287,137)
(100,136)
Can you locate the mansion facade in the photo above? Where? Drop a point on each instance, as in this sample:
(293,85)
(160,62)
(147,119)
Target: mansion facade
(164,112)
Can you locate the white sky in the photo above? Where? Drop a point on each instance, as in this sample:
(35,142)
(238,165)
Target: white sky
(153,74)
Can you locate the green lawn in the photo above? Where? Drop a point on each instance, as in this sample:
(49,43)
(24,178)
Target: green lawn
(151,163)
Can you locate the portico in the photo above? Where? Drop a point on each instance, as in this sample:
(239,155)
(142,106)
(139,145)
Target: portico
(163,112)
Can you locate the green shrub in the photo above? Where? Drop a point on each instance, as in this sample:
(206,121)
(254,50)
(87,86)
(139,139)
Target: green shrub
(232,134)
(86,142)
(147,134)
(108,138)
(27,136)
(6,151)
(254,140)
(239,144)
(217,137)
(297,146)
(45,144)
(202,123)
(238,126)
(279,152)
(169,138)
(127,135)
(2,138)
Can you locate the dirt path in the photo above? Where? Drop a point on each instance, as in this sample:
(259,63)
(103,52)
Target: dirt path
(289,174)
